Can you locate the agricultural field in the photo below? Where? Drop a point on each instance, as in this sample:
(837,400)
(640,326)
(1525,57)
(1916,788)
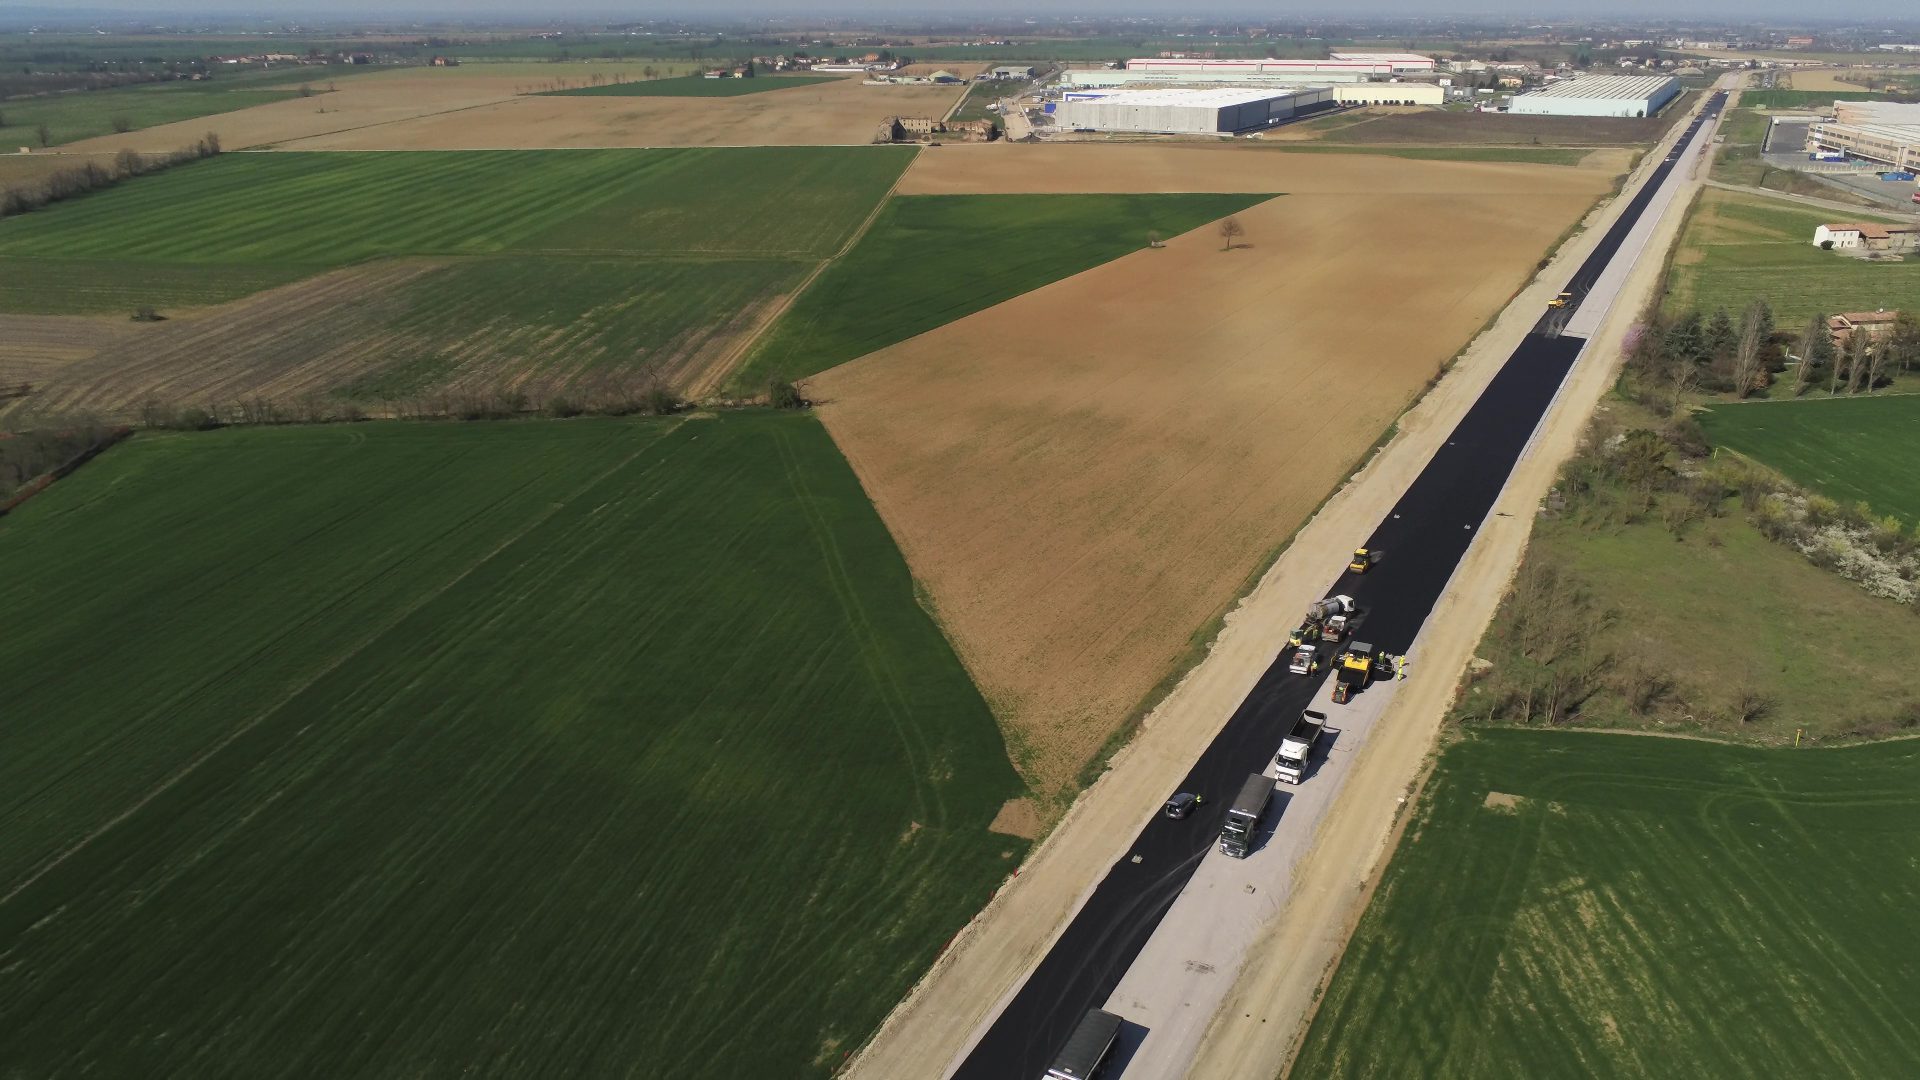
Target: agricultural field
(836,112)
(453,749)
(1534,155)
(70,117)
(694,86)
(1737,247)
(1571,904)
(1427,127)
(1849,449)
(1802,99)
(928,260)
(627,264)
(1186,399)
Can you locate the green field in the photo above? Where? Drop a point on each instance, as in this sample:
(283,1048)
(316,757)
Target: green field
(931,259)
(1800,99)
(587,318)
(85,114)
(1738,247)
(1850,449)
(1569,904)
(276,217)
(693,86)
(539,749)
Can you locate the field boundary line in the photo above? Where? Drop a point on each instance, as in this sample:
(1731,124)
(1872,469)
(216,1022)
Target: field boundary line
(397,617)
(266,147)
(723,368)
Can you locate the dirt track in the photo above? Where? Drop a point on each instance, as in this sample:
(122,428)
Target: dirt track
(1086,475)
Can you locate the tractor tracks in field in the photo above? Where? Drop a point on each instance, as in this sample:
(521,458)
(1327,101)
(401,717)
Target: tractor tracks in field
(722,368)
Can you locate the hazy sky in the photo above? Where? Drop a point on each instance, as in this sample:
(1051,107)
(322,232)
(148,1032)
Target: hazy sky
(1558,10)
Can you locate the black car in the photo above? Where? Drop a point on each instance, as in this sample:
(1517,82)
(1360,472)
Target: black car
(1182,804)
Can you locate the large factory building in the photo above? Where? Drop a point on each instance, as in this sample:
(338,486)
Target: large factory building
(1600,95)
(1186,112)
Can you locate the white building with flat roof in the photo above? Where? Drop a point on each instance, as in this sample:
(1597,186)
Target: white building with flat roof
(1599,95)
(1223,111)
(1399,61)
(1367,64)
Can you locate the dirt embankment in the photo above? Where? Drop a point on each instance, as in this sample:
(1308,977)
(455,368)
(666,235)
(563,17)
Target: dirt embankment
(1085,476)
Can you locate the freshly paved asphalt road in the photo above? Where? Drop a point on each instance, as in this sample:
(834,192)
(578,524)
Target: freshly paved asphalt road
(1420,543)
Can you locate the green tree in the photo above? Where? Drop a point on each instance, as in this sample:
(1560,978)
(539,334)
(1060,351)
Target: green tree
(1722,338)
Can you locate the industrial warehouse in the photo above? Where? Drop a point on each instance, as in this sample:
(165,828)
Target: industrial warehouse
(1600,95)
(1882,132)
(1223,111)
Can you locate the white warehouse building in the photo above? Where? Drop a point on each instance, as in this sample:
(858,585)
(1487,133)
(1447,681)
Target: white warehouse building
(1186,112)
(1600,95)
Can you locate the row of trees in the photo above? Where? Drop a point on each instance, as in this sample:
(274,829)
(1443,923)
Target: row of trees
(84,179)
(1670,356)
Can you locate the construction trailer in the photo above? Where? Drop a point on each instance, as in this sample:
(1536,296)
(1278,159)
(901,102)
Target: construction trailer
(1243,817)
(1296,750)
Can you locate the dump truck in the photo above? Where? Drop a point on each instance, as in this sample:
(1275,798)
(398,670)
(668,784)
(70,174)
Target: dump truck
(1306,660)
(1561,301)
(1297,748)
(1356,668)
(1087,1048)
(1362,561)
(1313,627)
(1243,818)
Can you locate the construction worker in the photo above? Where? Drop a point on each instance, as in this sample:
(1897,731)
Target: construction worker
(1400,667)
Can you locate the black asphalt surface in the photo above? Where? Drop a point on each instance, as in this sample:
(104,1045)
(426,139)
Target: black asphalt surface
(1420,543)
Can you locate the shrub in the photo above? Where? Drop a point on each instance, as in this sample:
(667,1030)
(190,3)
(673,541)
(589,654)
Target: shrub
(782,394)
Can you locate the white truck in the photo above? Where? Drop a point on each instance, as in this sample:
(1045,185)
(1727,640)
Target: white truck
(1296,750)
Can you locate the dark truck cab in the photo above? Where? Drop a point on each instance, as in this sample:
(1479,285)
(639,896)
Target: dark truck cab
(1086,1049)
(1243,818)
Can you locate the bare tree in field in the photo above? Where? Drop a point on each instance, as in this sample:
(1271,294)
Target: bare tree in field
(45,133)
(1231,230)
(1810,341)
(1746,353)
(1856,359)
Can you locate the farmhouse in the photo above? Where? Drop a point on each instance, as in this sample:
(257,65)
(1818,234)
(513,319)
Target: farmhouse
(921,129)
(1007,71)
(1865,236)
(1873,324)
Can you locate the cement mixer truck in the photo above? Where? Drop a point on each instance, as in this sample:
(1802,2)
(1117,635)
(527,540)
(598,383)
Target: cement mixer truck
(1325,621)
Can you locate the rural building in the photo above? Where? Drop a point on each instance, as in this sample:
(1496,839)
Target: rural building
(1600,95)
(1873,324)
(1008,71)
(922,129)
(1866,236)
(1224,111)
(1879,131)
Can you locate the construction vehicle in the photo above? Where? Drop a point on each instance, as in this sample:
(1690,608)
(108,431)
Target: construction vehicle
(1330,613)
(1243,818)
(1560,301)
(1087,1048)
(1362,561)
(1297,748)
(1356,669)
(1306,660)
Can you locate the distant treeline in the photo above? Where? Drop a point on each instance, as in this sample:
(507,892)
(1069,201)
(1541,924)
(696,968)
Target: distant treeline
(91,176)
(30,460)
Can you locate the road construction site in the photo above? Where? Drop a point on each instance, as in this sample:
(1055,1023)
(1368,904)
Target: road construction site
(1140,928)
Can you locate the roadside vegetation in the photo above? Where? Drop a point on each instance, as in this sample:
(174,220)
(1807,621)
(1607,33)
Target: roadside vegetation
(931,259)
(501,735)
(1573,904)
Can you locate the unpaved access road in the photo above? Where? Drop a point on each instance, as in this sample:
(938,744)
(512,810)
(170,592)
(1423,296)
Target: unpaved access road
(974,976)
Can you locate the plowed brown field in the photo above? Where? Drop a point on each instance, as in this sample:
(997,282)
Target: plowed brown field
(1085,476)
(820,114)
(474,108)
